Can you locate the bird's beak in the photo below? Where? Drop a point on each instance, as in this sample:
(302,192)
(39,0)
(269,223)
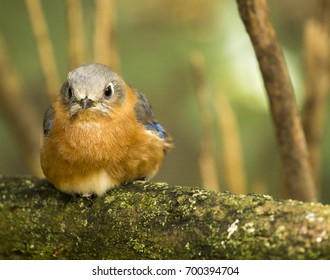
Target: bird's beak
(86,103)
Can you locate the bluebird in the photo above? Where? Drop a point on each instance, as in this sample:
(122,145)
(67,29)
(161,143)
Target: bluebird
(100,133)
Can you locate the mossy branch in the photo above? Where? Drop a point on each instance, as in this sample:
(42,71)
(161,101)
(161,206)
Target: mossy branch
(156,221)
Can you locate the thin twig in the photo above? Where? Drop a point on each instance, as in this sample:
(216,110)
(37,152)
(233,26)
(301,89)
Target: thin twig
(290,136)
(76,33)
(207,159)
(232,152)
(45,48)
(19,111)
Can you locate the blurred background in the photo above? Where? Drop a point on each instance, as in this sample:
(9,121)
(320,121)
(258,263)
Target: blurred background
(194,62)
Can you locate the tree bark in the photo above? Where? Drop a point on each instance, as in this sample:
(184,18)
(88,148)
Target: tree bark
(146,220)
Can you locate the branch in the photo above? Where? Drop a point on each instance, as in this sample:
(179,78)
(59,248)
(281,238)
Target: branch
(105,45)
(317,86)
(45,48)
(291,139)
(231,150)
(156,221)
(207,157)
(19,111)
(76,36)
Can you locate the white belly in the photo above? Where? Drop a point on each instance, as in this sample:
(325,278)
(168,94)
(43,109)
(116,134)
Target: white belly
(96,183)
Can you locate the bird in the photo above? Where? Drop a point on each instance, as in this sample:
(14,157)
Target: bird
(100,133)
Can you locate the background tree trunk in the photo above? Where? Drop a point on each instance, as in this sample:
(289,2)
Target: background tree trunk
(156,221)
(290,136)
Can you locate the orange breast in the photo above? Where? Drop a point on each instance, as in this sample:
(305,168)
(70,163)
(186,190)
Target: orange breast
(93,152)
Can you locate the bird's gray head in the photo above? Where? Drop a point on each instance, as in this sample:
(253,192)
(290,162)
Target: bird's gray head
(92,86)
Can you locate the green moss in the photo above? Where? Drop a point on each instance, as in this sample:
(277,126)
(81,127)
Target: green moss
(156,221)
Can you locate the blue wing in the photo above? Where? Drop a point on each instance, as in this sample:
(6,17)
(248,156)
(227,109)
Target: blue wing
(157,128)
(48,120)
(145,116)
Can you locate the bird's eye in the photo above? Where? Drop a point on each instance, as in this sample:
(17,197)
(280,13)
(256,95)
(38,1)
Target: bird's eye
(70,92)
(108,91)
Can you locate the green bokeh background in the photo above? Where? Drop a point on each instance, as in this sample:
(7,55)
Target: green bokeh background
(155,39)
